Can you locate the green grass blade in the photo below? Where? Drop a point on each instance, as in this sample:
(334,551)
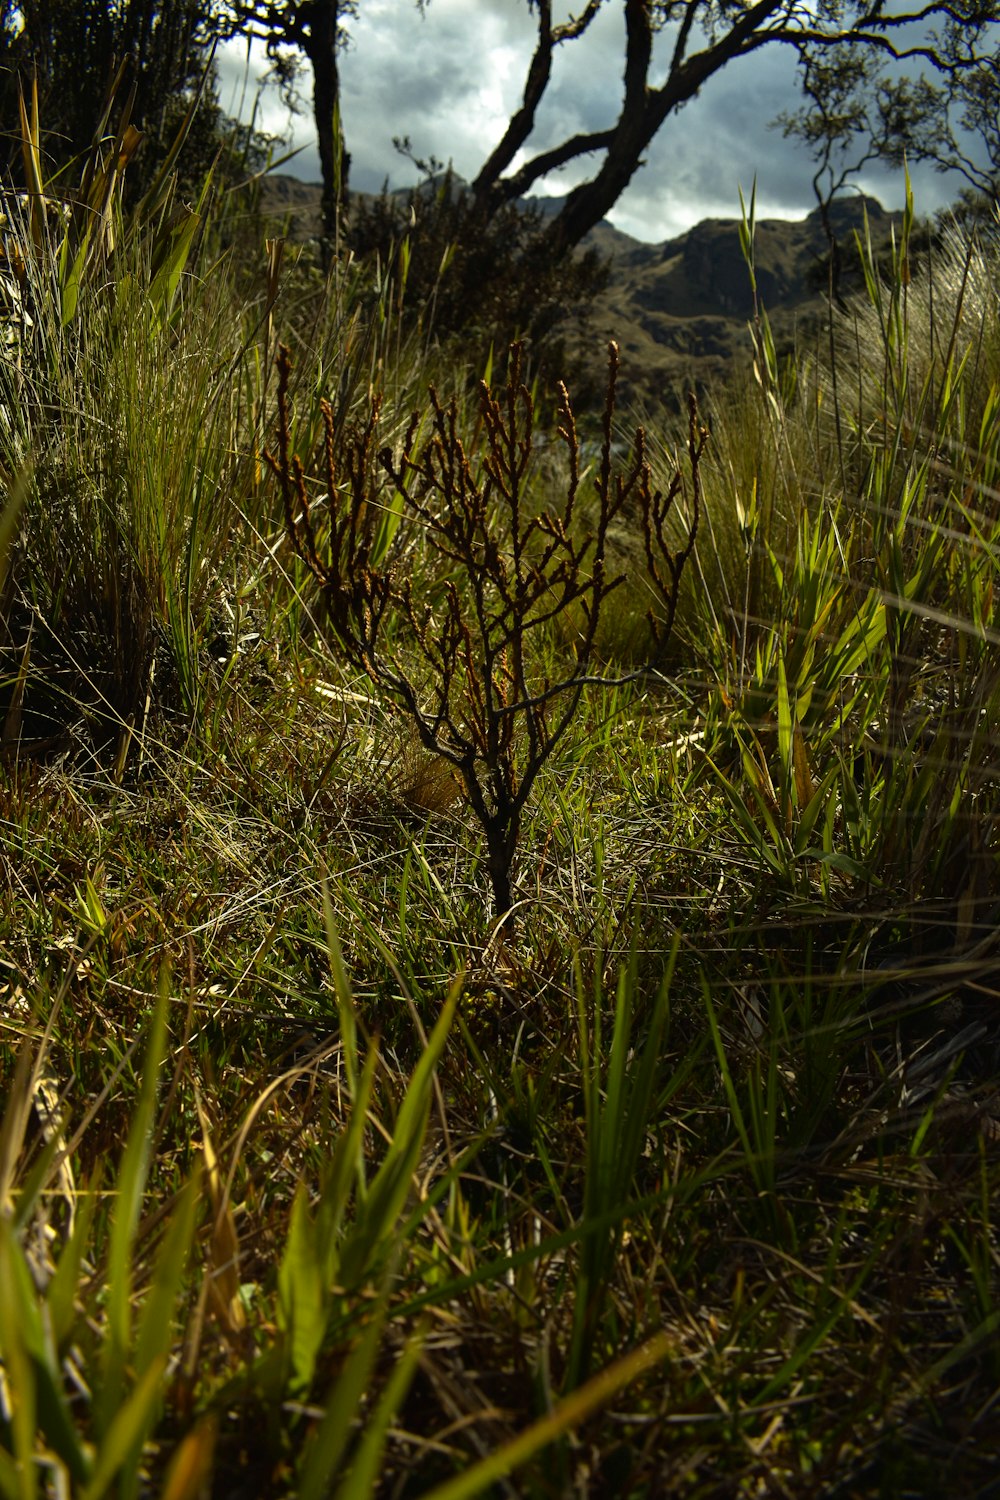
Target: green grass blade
(570,1413)
(19,1372)
(301,1293)
(344,1407)
(171,257)
(155,1330)
(360,1483)
(347,1170)
(130,1185)
(393,1182)
(25,1342)
(342,990)
(17,1480)
(62,1290)
(122,1442)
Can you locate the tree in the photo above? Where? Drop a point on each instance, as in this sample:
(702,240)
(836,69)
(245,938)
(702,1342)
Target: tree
(73,49)
(855,113)
(317,30)
(671,48)
(704,36)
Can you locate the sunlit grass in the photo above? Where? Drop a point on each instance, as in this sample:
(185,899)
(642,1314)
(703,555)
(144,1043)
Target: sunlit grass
(314,1182)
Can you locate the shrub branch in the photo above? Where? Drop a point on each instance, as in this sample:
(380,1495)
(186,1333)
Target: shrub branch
(471,682)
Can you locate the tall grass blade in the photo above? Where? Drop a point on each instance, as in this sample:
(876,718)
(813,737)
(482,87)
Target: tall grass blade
(362,1480)
(26,1345)
(129,1187)
(327,1449)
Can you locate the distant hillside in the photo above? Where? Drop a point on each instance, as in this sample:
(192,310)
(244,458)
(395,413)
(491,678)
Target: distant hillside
(679,310)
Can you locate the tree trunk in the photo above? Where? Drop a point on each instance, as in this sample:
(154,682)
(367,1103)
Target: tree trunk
(501,846)
(644,109)
(637,124)
(489,191)
(333,159)
(522,122)
(587,204)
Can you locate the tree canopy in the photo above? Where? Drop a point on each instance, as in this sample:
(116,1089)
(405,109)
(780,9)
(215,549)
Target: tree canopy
(878,76)
(855,110)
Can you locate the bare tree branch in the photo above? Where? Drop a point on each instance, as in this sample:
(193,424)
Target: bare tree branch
(522,122)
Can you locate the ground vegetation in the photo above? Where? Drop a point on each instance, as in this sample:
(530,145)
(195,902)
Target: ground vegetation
(316,1179)
(72,53)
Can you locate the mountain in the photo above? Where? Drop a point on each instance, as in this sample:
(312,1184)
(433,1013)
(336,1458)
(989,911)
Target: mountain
(679,310)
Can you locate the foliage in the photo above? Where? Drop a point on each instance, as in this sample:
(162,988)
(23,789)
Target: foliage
(860,109)
(886,76)
(479,276)
(316,31)
(99,1445)
(686,1184)
(72,242)
(840,681)
(72,51)
(115,555)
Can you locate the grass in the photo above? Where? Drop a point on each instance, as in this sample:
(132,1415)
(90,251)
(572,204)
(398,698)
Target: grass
(315,1182)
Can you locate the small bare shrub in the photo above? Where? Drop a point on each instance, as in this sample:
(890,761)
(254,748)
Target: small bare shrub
(475,682)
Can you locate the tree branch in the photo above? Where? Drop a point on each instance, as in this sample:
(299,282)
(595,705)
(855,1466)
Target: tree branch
(522,122)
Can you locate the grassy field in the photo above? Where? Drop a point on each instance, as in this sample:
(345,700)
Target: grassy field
(457,1038)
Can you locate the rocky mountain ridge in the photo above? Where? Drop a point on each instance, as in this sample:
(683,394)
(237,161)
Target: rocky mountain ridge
(679,309)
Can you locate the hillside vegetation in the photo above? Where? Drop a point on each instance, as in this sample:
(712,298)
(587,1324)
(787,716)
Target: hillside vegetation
(678,308)
(324,1168)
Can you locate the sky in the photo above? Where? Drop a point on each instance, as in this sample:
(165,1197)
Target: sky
(450,79)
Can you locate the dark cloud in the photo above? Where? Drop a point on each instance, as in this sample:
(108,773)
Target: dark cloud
(450,81)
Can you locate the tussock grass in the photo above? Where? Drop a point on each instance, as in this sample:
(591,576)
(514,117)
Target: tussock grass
(311,1180)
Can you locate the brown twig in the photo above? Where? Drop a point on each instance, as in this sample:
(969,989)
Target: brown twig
(478,703)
